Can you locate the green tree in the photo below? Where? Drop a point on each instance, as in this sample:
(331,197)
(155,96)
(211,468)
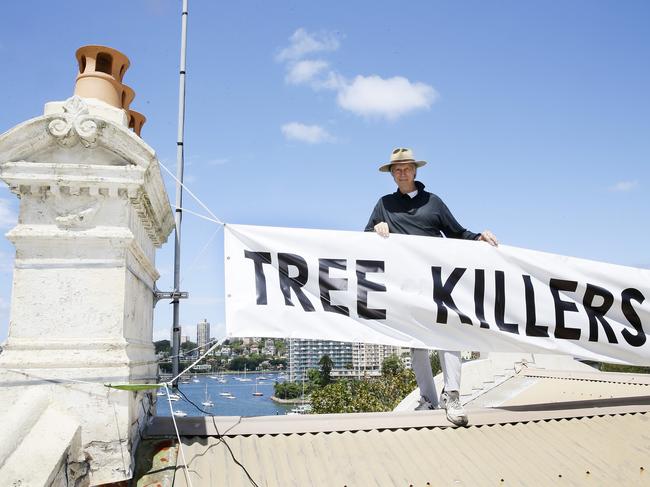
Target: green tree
(280,346)
(186,346)
(435,363)
(392,365)
(630,369)
(368,395)
(276,362)
(326,366)
(238,363)
(162,346)
(287,390)
(313,379)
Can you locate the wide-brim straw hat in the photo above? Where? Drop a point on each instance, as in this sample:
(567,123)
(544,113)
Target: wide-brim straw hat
(401,155)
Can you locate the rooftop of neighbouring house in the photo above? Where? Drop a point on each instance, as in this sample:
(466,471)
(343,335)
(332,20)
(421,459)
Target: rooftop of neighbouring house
(534,420)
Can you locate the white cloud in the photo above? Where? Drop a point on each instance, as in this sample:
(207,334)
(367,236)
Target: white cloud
(305,71)
(333,81)
(303,42)
(623,186)
(374,96)
(312,134)
(8,217)
(367,96)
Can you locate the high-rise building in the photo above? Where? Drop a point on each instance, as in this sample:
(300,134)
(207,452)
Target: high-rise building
(305,355)
(348,359)
(202,335)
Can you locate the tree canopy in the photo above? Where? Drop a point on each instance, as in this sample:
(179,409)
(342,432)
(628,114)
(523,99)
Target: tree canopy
(326,366)
(368,395)
(287,390)
(392,365)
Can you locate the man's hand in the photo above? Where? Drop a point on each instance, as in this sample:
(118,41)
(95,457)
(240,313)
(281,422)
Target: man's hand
(382,229)
(486,236)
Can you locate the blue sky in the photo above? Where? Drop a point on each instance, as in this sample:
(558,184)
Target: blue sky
(534,116)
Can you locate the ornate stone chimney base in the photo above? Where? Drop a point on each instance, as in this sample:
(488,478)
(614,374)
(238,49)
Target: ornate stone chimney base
(93,209)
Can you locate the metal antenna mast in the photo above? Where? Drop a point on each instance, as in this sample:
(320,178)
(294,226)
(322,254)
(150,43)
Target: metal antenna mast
(178,216)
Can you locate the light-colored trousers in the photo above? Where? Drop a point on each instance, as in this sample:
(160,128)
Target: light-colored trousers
(451,367)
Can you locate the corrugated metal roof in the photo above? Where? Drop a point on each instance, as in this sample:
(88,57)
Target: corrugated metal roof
(232,426)
(552,452)
(551,428)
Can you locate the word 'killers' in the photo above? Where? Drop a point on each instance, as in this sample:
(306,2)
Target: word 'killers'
(597,301)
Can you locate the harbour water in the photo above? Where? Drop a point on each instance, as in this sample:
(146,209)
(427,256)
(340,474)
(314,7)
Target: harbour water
(243,402)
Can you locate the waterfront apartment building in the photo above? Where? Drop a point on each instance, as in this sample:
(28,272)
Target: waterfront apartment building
(202,335)
(368,357)
(305,355)
(349,359)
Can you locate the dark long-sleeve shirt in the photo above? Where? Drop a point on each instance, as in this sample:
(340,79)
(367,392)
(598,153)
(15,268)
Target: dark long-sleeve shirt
(426,214)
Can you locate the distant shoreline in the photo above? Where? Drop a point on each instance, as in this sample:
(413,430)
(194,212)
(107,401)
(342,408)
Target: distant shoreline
(288,401)
(233,372)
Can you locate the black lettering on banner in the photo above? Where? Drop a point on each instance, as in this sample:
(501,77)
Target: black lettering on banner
(327,284)
(296,283)
(532,329)
(479,297)
(561,330)
(259,258)
(500,304)
(597,313)
(364,286)
(442,294)
(626,296)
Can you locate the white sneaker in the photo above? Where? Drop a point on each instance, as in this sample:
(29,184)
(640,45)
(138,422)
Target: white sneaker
(424,404)
(450,401)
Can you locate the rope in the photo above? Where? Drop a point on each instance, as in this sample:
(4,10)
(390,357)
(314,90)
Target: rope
(216,218)
(198,215)
(200,254)
(216,340)
(178,437)
(196,361)
(221,437)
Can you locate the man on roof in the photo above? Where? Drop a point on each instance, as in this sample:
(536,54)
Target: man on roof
(413,211)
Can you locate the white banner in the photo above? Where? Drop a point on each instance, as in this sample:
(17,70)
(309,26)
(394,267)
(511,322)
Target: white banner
(425,292)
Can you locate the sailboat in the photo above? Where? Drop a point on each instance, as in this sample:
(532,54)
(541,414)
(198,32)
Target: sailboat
(207,402)
(244,379)
(225,394)
(257,393)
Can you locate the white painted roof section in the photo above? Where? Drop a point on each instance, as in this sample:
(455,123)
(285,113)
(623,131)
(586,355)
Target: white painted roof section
(480,376)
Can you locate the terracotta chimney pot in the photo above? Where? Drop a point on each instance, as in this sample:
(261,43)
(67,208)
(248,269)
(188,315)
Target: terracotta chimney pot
(136,121)
(101,70)
(127,97)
